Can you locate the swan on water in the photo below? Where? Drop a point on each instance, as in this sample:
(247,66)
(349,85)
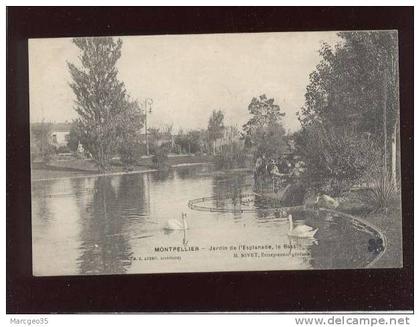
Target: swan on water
(176,224)
(302,231)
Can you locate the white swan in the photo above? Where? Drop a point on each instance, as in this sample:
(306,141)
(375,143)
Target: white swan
(322,201)
(301,231)
(175,224)
(325,201)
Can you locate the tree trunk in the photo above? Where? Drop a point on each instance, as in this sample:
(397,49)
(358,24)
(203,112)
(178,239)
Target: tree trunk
(394,157)
(396,132)
(385,100)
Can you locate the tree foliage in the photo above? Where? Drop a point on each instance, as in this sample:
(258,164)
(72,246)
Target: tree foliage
(231,156)
(108,119)
(129,129)
(160,158)
(215,127)
(337,160)
(194,141)
(41,146)
(264,131)
(352,84)
(74,137)
(154,137)
(351,106)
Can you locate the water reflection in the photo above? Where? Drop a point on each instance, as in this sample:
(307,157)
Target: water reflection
(162,175)
(104,245)
(55,227)
(41,208)
(102,225)
(230,191)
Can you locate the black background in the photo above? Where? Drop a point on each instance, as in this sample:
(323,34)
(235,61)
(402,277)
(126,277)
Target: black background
(370,289)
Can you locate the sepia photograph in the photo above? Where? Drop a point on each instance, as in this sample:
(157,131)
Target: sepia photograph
(215,152)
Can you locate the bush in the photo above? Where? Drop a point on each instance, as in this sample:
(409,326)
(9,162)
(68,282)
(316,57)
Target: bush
(41,147)
(45,154)
(63,149)
(160,159)
(131,152)
(231,156)
(336,160)
(127,154)
(381,192)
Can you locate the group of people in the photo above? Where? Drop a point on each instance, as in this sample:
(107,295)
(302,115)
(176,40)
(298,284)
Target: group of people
(284,167)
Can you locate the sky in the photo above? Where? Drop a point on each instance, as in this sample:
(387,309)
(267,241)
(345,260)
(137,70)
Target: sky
(187,76)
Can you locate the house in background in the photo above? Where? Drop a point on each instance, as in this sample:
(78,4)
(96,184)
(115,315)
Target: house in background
(60,134)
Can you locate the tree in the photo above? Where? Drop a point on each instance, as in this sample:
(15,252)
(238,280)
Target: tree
(264,131)
(102,102)
(193,141)
(355,86)
(128,129)
(41,146)
(353,96)
(215,128)
(74,137)
(154,135)
(337,160)
(167,132)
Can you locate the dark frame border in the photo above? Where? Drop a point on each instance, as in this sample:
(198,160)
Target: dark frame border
(279,291)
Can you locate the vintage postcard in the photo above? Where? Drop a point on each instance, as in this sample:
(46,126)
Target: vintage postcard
(215,152)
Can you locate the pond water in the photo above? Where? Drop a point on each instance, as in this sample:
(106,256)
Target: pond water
(115,225)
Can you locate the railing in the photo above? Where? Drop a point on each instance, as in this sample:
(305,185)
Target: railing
(271,183)
(194,205)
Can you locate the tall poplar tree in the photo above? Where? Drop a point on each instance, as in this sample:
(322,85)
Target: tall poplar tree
(102,102)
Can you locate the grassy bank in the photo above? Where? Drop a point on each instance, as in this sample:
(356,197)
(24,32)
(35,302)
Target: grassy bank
(39,173)
(389,222)
(80,167)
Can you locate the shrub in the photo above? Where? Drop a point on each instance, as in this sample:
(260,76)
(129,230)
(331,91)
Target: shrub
(381,192)
(160,159)
(336,160)
(63,149)
(45,154)
(131,152)
(127,154)
(41,146)
(231,156)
